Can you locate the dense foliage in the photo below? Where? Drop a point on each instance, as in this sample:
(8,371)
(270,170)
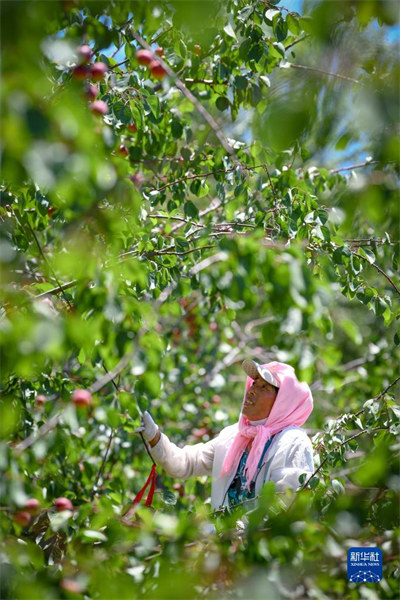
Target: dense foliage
(161,222)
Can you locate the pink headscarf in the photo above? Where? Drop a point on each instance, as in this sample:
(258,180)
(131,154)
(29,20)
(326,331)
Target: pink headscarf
(292,406)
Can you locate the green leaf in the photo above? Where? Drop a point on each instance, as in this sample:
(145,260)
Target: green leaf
(182,49)
(280,49)
(293,24)
(240,82)
(244,49)
(199,187)
(368,253)
(190,209)
(270,14)
(265,80)
(169,498)
(338,486)
(176,128)
(280,28)
(222,103)
(90,534)
(154,104)
(343,141)
(380,306)
(229,31)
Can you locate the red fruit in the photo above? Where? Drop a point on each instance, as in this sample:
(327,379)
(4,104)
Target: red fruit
(92,91)
(159,51)
(157,70)
(216,399)
(98,70)
(40,400)
(144,57)
(213,326)
(50,211)
(123,150)
(179,487)
(69,585)
(206,405)
(176,334)
(137,179)
(63,504)
(199,433)
(99,107)
(22,518)
(85,53)
(32,506)
(131,127)
(198,49)
(82,398)
(80,72)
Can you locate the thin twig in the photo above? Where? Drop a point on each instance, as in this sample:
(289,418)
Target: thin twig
(385,391)
(271,184)
(119,64)
(101,469)
(59,288)
(161,252)
(330,74)
(351,167)
(381,271)
(297,41)
(189,80)
(172,218)
(160,35)
(49,265)
(208,174)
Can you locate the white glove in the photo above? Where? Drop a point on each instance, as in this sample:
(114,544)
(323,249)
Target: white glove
(148,428)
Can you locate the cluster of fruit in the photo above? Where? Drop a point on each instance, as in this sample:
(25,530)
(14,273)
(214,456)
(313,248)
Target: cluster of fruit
(32,507)
(85,71)
(96,72)
(81,399)
(147,59)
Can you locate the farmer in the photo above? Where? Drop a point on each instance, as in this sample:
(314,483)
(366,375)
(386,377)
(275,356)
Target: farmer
(267,443)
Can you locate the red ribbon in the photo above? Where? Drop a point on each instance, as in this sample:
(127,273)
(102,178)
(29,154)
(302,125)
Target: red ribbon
(151,480)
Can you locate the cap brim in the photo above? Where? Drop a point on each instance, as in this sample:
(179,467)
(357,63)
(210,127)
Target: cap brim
(254,370)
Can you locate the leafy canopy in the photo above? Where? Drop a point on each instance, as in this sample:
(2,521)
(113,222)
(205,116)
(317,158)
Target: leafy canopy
(236,199)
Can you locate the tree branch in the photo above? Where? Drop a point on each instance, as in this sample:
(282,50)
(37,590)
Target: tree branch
(339,446)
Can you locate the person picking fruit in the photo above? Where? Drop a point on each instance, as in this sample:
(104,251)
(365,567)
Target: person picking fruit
(266,444)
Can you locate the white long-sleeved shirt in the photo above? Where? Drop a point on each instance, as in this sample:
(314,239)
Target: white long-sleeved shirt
(289,455)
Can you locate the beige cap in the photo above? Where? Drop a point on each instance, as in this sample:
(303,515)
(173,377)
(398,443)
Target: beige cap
(254,370)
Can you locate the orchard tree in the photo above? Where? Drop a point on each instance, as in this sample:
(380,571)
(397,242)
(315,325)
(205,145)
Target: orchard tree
(185,185)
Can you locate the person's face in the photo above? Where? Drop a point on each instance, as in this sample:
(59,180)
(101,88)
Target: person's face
(259,400)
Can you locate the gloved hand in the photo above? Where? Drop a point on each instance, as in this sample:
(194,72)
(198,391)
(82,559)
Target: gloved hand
(147,427)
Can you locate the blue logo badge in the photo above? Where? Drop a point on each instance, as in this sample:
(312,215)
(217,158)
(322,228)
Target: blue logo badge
(364,564)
